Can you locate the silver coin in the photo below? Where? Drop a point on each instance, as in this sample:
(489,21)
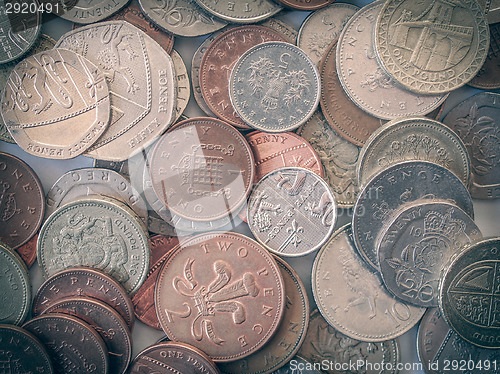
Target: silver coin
(394,186)
(365,81)
(322,27)
(299,365)
(291,211)
(100,233)
(56,104)
(181,17)
(351,296)
(275,87)
(118,166)
(415,245)
(183,87)
(241,11)
(91,11)
(141,81)
(282,27)
(413,139)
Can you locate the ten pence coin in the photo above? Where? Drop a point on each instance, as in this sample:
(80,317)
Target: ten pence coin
(305,5)
(221,292)
(183,87)
(241,11)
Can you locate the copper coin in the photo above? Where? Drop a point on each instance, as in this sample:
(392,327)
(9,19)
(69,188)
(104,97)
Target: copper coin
(73,345)
(144,304)
(345,117)
(305,5)
(273,151)
(22,201)
(28,251)
(172,357)
(108,324)
(218,61)
(84,282)
(221,292)
(202,169)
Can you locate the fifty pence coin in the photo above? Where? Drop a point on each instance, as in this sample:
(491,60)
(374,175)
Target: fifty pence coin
(56,104)
(86,12)
(221,292)
(292,211)
(274,87)
(241,11)
(351,296)
(487,78)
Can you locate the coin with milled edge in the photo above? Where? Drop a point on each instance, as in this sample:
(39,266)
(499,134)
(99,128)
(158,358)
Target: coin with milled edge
(488,76)
(274,87)
(222,293)
(431,47)
(96,232)
(415,244)
(84,282)
(73,345)
(351,296)
(394,186)
(241,11)
(413,139)
(469,295)
(85,12)
(292,211)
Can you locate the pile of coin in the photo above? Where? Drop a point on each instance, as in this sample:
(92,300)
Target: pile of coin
(196,225)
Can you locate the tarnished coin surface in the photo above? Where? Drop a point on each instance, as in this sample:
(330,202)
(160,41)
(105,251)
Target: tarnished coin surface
(56,104)
(338,156)
(274,87)
(431,47)
(15,287)
(437,345)
(292,211)
(364,79)
(488,76)
(141,81)
(86,12)
(28,251)
(322,27)
(84,282)
(326,346)
(100,233)
(106,321)
(22,202)
(351,296)
(181,17)
(394,186)
(73,345)
(476,121)
(221,292)
(470,293)
(241,11)
(413,139)
(23,352)
(288,338)
(416,243)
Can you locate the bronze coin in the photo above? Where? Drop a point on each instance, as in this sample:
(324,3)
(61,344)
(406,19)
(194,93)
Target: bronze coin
(143,300)
(221,292)
(22,201)
(218,61)
(84,282)
(202,169)
(305,5)
(28,251)
(345,117)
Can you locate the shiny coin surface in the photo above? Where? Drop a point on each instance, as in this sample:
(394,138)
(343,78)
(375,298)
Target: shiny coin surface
(100,233)
(140,75)
(15,287)
(394,186)
(437,61)
(364,79)
(183,87)
(324,344)
(181,17)
(221,292)
(61,114)
(241,12)
(351,296)
(22,204)
(413,139)
(22,352)
(470,294)
(476,121)
(108,324)
(292,211)
(73,345)
(416,243)
(86,12)
(202,170)
(338,156)
(288,338)
(84,282)
(274,87)
(488,77)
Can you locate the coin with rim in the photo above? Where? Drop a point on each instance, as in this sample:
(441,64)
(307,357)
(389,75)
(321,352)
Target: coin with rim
(487,78)
(241,12)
